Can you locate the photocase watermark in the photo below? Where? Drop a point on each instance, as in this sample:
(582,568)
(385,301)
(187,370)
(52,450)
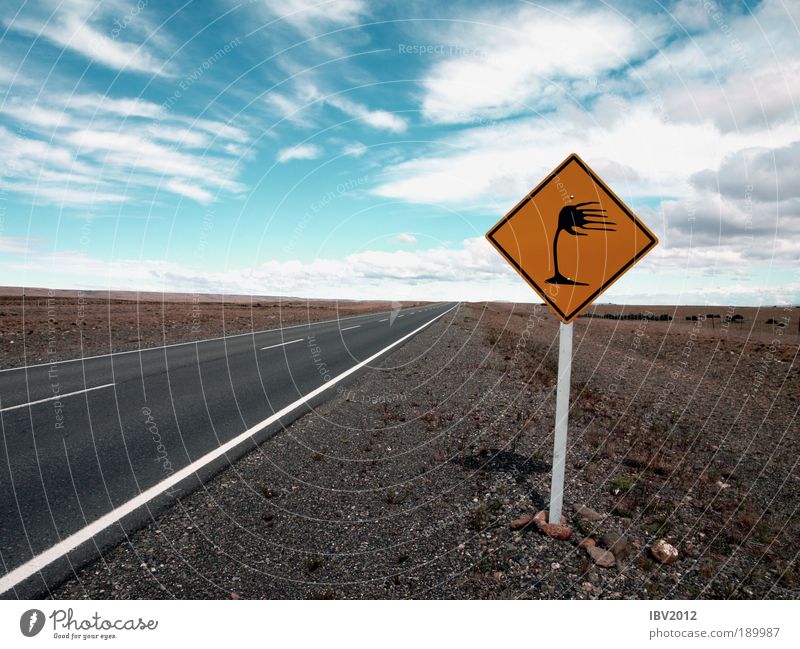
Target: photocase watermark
(655,410)
(122,25)
(714,12)
(67,626)
(621,373)
(10,170)
(31,622)
(522,347)
(51,351)
(770,357)
(316,356)
(371,399)
(162,455)
(440,49)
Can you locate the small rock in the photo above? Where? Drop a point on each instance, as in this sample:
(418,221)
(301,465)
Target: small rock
(553,530)
(234,595)
(617,544)
(522,521)
(586,543)
(602,558)
(589,514)
(587,586)
(664,552)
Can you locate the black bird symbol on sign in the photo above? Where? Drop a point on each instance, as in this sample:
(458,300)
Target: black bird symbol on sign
(578,220)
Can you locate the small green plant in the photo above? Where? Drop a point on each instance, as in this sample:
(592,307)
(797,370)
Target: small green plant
(621,484)
(485,562)
(657,526)
(625,507)
(396,497)
(314,563)
(483,514)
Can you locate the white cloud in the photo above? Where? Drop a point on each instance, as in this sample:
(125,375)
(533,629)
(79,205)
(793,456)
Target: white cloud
(100,104)
(292,110)
(406,238)
(184,137)
(741,73)
(69,27)
(131,151)
(307,96)
(757,99)
(524,54)
(220,130)
(355,149)
(488,167)
(379,119)
(299,152)
(766,174)
(313,16)
(35,115)
(77,149)
(190,191)
(14,245)
(65,196)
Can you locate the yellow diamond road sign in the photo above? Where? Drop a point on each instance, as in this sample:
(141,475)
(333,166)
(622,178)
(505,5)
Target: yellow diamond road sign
(571,238)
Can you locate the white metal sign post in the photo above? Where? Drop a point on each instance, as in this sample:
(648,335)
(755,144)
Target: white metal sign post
(562,412)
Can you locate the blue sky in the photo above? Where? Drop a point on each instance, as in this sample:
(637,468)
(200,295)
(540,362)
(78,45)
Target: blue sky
(353,149)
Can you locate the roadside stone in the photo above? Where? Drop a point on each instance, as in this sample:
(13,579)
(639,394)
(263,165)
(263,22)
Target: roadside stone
(521,522)
(553,530)
(617,544)
(586,543)
(602,558)
(589,514)
(664,552)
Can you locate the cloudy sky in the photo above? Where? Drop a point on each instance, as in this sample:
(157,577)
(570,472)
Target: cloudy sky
(358,149)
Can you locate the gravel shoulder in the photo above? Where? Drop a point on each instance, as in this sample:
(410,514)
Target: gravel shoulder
(410,481)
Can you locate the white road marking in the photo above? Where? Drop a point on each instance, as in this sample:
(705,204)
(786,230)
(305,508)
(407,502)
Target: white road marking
(291,342)
(31,567)
(58,396)
(384,320)
(347,328)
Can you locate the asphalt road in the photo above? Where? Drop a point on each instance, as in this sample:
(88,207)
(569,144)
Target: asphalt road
(92,448)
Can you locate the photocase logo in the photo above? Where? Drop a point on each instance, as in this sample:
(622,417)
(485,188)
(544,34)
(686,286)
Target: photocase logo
(31,622)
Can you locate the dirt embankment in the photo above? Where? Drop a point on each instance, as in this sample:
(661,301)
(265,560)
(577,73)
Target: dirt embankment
(407,483)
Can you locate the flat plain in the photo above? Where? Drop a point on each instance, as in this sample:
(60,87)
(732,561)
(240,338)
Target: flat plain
(416,480)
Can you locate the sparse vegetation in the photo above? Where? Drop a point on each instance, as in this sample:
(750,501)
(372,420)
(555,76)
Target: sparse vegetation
(483,515)
(314,563)
(396,496)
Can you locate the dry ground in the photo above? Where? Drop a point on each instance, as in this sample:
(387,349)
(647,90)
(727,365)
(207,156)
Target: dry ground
(406,484)
(42,326)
